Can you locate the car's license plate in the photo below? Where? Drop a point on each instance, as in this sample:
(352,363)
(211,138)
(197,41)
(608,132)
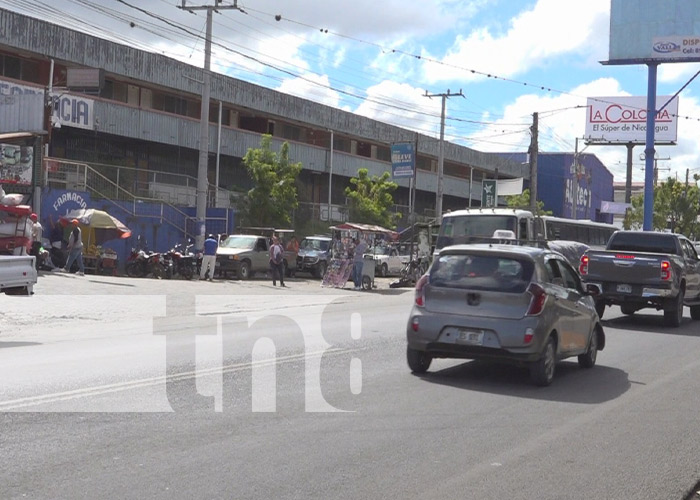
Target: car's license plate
(624,288)
(471,337)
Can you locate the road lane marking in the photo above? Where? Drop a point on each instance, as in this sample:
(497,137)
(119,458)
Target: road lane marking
(153,381)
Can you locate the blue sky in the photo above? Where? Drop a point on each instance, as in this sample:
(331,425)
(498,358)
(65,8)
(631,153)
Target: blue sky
(378,59)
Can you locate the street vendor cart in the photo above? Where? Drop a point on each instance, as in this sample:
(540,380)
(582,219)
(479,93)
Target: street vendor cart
(341,264)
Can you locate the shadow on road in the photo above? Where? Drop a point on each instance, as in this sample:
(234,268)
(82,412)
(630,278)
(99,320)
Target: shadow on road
(4,345)
(571,383)
(652,323)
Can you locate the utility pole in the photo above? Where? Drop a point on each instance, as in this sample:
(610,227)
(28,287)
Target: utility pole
(441,152)
(203,165)
(533,163)
(628,180)
(574,181)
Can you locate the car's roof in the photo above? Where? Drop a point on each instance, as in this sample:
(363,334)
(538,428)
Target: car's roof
(513,250)
(318,237)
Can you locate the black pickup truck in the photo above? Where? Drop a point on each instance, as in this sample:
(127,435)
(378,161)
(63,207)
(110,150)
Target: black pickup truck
(641,269)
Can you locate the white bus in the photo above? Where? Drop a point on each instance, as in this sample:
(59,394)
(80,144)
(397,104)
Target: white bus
(478,225)
(593,234)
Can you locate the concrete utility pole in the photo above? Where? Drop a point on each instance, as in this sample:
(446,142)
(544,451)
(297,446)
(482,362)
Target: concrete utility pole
(533,163)
(441,152)
(628,180)
(203,165)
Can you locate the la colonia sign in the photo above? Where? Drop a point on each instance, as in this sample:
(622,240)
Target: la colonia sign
(624,120)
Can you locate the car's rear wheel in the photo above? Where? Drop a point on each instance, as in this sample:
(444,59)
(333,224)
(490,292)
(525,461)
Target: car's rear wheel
(542,371)
(674,315)
(695,312)
(588,359)
(600,309)
(418,361)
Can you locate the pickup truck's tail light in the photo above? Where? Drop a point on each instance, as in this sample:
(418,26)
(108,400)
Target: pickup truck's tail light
(539,296)
(583,266)
(665,270)
(420,290)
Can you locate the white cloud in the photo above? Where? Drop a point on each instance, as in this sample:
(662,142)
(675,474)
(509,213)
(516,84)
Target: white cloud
(551,29)
(312,87)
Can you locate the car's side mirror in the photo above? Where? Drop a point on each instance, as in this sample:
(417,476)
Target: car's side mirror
(592,290)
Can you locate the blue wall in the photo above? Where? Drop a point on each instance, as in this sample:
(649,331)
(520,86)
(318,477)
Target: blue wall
(555,184)
(147,223)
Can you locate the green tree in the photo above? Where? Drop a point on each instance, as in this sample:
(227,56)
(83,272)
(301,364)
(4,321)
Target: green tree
(522,201)
(271,202)
(676,207)
(371,199)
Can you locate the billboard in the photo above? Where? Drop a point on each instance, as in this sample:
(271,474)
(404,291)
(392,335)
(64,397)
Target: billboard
(402,159)
(622,120)
(16,164)
(654,30)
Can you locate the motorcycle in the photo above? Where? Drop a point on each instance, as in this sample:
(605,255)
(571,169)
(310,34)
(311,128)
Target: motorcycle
(411,273)
(140,264)
(182,261)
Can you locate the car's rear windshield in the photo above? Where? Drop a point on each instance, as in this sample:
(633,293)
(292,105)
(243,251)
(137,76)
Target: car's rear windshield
(482,272)
(643,242)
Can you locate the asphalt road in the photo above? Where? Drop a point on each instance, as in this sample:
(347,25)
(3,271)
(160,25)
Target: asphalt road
(123,388)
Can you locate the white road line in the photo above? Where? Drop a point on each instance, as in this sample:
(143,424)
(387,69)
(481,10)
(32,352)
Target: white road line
(152,381)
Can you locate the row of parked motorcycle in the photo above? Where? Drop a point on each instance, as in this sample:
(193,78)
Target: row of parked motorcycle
(179,261)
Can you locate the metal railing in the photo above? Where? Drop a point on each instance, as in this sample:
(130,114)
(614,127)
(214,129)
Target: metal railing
(78,176)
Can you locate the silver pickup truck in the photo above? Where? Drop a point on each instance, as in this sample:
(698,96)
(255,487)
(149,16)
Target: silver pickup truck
(247,254)
(645,270)
(17,274)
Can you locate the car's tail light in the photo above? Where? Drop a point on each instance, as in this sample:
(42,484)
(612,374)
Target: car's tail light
(415,324)
(624,256)
(583,267)
(420,290)
(539,296)
(665,270)
(529,334)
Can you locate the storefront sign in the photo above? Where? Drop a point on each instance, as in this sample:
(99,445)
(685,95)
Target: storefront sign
(69,110)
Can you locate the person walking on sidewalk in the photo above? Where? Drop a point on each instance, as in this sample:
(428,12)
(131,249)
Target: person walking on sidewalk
(209,258)
(75,249)
(277,261)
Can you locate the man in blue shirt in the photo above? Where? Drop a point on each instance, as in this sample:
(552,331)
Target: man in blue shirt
(209,258)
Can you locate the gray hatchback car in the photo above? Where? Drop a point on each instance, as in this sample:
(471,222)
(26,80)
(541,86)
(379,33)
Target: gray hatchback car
(521,305)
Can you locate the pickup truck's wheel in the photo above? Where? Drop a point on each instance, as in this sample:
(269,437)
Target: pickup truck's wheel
(384,271)
(588,359)
(244,271)
(321,270)
(628,309)
(695,312)
(600,308)
(542,371)
(674,314)
(418,361)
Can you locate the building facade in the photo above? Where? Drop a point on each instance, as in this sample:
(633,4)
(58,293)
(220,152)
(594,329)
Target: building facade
(145,118)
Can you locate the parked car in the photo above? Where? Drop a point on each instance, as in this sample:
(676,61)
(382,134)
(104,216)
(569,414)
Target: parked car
(644,269)
(247,254)
(388,261)
(521,305)
(314,255)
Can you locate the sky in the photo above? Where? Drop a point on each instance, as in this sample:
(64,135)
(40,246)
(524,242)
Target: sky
(383,59)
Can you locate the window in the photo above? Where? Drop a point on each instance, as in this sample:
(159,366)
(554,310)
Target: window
(482,272)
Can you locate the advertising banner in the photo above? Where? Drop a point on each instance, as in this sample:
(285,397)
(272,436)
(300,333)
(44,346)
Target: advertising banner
(489,193)
(16,164)
(622,120)
(402,160)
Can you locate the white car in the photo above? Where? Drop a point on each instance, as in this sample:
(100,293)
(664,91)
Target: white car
(388,261)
